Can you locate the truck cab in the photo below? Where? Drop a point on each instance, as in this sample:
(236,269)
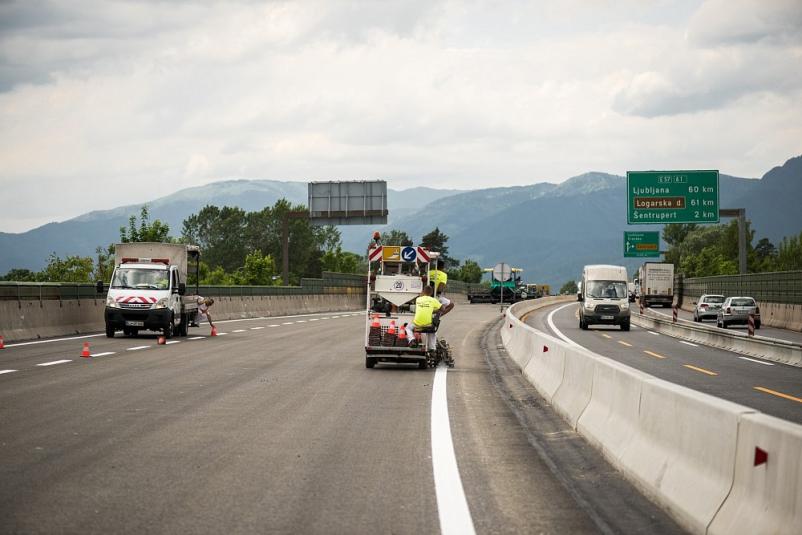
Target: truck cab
(148,292)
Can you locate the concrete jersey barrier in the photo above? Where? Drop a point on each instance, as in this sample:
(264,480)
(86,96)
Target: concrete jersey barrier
(687,450)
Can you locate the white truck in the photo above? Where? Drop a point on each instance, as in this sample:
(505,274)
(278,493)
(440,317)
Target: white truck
(656,281)
(604,298)
(148,289)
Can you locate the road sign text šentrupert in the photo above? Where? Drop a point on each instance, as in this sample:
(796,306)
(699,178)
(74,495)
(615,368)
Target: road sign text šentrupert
(641,244)
(672,197)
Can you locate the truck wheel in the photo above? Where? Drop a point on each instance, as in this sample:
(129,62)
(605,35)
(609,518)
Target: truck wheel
(370,362)
(109,331)
(583,324)
(169,329)
(422,364)
(183,328)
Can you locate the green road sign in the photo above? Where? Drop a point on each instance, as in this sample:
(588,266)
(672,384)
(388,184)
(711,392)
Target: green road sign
(672,197)
(641,244)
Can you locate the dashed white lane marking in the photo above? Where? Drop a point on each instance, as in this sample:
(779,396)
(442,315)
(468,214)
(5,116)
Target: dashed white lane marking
(6,371)
(172,342)
(288,323)
(137,348)
(452,507)
(300,321)
(104,354)
(274,325)
(314,319)
(221,334)
(758,361)
(256,328)
(335,317)
(325,318)
(196,338)
(238,331)
(654,333)
(687,343)
(53,363)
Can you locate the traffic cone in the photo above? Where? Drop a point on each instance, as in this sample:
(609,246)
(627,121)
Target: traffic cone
(85,353)
(1,343)
(389,336)
(161,341)
(375,333)
(214,331)
(376,322)
(402,336)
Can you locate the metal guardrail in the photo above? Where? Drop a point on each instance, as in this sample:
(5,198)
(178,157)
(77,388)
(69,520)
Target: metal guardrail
(784,287)
(330,283)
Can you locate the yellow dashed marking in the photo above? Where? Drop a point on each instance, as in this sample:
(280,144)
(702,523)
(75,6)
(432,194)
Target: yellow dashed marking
(778,394)
(606,336)
(700,370)
(655,355)
(624,343)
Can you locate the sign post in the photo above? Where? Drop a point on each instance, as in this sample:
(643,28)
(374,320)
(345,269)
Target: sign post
(641,244)
(502,272)
(657,197)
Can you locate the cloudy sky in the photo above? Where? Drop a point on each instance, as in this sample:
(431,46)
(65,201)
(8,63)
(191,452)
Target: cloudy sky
(108,103)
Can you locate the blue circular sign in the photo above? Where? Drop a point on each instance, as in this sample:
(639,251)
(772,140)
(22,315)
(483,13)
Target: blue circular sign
(408,254)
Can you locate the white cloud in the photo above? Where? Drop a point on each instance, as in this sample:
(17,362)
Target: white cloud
(159,96)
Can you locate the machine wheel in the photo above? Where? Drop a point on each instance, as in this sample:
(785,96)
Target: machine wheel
(109,331)
(370,362)
(169,329)
(625,326)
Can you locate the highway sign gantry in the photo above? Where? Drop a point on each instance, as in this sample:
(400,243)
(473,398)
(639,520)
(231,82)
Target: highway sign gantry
(641,244)
(672,197)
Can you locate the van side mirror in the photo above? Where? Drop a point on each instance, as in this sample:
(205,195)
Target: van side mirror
(99,287)
(182,288)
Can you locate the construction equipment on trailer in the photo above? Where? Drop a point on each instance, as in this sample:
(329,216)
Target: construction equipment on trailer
(396,276)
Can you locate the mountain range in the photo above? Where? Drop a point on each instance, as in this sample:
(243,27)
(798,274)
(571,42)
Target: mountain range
(549,230)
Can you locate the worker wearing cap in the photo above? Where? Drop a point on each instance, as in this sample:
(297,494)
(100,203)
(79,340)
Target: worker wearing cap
(203,311)
(425,308)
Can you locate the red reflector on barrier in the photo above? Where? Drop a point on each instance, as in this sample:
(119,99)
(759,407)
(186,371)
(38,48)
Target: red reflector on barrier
(761,456)
(545,349)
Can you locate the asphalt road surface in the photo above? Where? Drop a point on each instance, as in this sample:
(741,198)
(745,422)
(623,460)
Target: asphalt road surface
(276,426)
(769,387)
(765,330)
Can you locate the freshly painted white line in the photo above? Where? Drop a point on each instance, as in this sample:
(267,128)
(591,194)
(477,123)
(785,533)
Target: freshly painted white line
(300,321)
(325,318)
(221,334)
(104,354)
(314,319)
(335,317)
(288,323)
(53,340)
(256,328)
(54,362)
(556,330)
(137,348)
(452,507)
(6,371)
(172,342)
(238,330)
(274,325)
(654,333)
(758,361)
(261,318)
(687,343)
(196,338)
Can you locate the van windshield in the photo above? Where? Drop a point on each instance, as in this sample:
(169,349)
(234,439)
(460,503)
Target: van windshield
(606,289)
(141,279)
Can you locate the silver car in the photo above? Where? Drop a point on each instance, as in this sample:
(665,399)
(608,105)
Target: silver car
(707,307)
(737,310)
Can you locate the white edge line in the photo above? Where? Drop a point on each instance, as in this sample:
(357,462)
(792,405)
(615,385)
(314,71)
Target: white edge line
(687,343)
(557,331)
(53,340)
(452,506)
(758,361)
(54,362)
(654,333)
(6,371)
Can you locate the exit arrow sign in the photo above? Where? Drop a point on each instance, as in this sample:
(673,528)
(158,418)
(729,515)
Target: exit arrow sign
(641,244)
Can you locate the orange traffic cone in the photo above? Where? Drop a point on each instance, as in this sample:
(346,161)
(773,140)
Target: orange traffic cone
(402,336)
(85,353)
(161,341)
(389,335)
(375,332)
(376,322)
(214,331)
(1,343)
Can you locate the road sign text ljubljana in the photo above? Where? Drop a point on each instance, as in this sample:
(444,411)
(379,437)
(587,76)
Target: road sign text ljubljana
(672,197)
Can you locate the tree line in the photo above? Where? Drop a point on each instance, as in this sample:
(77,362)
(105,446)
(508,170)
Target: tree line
(242,248)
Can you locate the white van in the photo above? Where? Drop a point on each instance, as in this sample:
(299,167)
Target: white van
(604,298)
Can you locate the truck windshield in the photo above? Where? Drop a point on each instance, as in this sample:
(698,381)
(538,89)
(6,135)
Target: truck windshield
(607,289)
(141,279)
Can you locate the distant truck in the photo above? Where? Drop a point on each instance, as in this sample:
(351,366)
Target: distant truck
(148,289)
(604,296)
(656,281)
